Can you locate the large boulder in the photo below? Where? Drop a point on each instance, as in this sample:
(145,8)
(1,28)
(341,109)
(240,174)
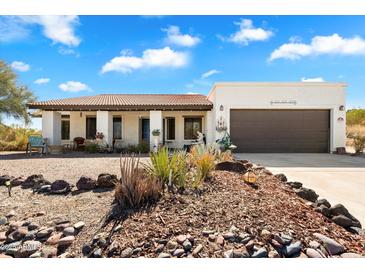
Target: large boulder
(85,183)
(281,177)
(106,180)
(342,220)
(35,181)
(339,209)
(324,210)
(320,202)
(17,181)
(331,245)
(60,187)
(307,194)
(231,166)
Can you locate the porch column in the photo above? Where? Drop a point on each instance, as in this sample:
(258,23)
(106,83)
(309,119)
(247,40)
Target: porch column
(155,123)
(104,124)
(51,127)
(209,127)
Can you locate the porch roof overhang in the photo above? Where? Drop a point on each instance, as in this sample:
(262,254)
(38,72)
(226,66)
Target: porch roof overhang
(127,102)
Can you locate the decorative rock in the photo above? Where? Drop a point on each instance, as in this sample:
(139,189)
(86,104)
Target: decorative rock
(244,238)
(190,238)
(17,181)
(159,248)
(331,245)
(351,255)
(181,238)
(265,233)
(324,210)
(30,236)
(28,248)
(187,245)
(54,239)
(126,253)
(49,252)
(228,254)
(171,246)
(273,254)
(85,183)
(97,253)
(3,256)
(102,242)
(307,194)
(250,245)
(66,241)
(342,220)
(197,250)
(3,221)
(20,233)
(276,244)
(295,184)
(341,210)
(86,249)
(35,182)
(136,251)
(11,248)
(61,220)
(231,166)
(44,232)
(164,255)
(208,232)
(320,202)
(117,228)
(33,226)
(212,237)
(44,189)
(261,253)
(10,214)
(314,244)
(178,252)
(69,231)
(62,227)
(60,187)
(283,239)
(36,255)
(293,249)
(281,177)
(220,240)
(162,241)
(4,179)
(356,230)
(2,236)
(234,229)
(79,225)
(40,213)
(229,236)
(106,180)
(312,253)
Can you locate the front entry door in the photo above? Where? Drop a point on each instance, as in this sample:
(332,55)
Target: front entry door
(145,131)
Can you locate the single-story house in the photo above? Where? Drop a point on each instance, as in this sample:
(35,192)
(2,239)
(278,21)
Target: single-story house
(260,117)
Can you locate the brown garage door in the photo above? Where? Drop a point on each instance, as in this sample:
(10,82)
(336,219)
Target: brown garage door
(296,131)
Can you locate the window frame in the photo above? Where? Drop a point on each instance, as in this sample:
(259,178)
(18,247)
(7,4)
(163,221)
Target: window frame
(167,119)
(86,128)
(200,129)
(121,127)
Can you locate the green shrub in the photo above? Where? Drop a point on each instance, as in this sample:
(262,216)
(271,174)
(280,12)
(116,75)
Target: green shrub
(357,135)
(91,147)
(202,158)
(355,117)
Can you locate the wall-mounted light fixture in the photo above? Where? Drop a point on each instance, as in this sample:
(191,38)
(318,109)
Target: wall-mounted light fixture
(342,108)
(340,119)
(221,108)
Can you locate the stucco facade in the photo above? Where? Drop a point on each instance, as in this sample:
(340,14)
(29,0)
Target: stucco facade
(224,98)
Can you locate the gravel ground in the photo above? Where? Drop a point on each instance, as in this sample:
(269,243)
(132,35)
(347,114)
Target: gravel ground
(69,167)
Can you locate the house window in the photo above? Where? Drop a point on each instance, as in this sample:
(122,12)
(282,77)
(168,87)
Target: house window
(90,127)
(117,128)
(170,125)
(191,126)
(65,127)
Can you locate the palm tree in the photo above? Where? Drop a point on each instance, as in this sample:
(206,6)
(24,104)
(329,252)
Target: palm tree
(13,98)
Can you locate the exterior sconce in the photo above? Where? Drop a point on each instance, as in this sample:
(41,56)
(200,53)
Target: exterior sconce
(340,119)
(221,108)
(342,108)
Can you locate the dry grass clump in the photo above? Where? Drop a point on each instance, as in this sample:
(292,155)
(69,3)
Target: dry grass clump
(135,188)
(14,138)
(356,134)
(202,158)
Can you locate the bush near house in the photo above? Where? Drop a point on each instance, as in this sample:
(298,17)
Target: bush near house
(355,129)
(14,138)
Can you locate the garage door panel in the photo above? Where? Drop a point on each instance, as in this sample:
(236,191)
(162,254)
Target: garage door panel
(280,130)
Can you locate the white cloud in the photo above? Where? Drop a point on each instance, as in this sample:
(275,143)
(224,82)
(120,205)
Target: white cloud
(209,73)
(333,44)
(68,51)
(248,33)
(316,79)
(175,37)
(20,66)
(41,81)
(73,86)
(151,58)
(58,28)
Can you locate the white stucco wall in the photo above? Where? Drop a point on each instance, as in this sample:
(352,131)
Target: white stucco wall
(283,96)
(51,127)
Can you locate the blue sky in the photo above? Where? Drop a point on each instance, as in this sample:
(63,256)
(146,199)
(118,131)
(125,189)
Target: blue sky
(69,56)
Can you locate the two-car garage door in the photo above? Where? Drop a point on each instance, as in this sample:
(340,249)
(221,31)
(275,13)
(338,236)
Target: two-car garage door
(279,131)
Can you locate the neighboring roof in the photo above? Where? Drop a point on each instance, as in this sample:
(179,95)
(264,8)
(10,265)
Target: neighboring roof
(128,102)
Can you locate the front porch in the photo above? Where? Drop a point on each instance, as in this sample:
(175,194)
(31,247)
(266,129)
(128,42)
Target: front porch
(177,128)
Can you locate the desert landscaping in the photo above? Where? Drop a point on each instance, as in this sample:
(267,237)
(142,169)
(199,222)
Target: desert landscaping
(203,204)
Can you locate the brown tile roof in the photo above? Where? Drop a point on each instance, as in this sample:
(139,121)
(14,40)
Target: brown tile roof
(128,102)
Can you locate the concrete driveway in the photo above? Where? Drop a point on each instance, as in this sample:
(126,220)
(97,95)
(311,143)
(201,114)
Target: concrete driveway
(338,178)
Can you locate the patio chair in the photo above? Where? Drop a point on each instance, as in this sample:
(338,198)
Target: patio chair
(79,143)
(36,141)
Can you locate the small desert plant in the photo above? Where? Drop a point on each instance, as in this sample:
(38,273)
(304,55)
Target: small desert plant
(357,135)
(91,147)
(14,137)
(203,160)
(135,187)
(179,169)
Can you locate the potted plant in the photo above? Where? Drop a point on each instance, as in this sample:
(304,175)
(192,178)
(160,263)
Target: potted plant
(156,134)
